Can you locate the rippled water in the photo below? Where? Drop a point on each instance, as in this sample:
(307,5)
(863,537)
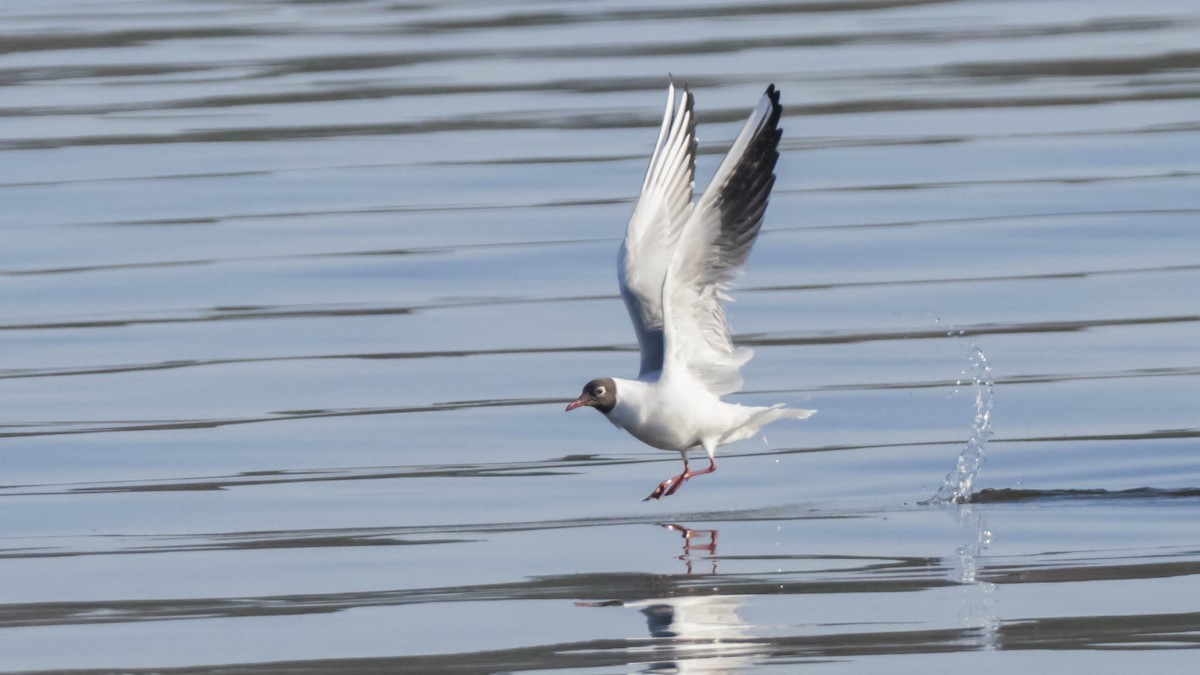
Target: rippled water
(292,295)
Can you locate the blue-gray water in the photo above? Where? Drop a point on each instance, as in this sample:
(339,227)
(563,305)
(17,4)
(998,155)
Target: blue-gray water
(292,295)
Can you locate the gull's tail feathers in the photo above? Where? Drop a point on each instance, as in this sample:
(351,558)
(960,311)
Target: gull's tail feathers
(761,417)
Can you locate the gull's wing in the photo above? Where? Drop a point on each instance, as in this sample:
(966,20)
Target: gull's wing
(654,228)
(712,249)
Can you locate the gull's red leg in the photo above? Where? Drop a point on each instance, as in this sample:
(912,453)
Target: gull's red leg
(689,474)
(670,485)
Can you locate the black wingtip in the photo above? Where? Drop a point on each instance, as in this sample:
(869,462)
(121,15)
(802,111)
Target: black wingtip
(773,94)
(744,196)
(776,109)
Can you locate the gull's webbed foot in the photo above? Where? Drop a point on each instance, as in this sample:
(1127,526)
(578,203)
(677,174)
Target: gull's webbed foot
(666,488)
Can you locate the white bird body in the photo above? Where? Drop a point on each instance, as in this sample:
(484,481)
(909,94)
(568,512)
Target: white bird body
(680,416)
(670,417)
(676,262)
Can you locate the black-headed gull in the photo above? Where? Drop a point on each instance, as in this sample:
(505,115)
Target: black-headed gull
(674,267)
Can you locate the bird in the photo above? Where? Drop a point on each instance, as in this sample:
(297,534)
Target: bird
(675,267)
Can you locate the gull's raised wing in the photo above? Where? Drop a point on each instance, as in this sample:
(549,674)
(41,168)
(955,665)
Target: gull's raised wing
(654,228)
(713,247)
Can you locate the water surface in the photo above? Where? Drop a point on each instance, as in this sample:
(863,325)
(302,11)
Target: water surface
(292,295)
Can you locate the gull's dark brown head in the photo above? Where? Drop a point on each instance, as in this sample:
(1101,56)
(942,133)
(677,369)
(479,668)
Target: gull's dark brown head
(600,394)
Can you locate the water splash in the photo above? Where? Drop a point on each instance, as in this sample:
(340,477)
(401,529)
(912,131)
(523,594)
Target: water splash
(957,487)
(978,596)
(978,600)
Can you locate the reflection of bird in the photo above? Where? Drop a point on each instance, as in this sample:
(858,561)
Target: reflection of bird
(705,633)
(675,264)
(698,617)
(701,633)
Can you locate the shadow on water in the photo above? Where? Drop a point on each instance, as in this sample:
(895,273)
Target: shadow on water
(698,576)
(1144,632)
(1011,495)
(692,617)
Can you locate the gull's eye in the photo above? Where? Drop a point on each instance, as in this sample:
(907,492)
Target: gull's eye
(599,391)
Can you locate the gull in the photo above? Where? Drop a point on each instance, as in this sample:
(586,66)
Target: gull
(675,266)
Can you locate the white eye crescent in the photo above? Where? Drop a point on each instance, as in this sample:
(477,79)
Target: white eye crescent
(599,391)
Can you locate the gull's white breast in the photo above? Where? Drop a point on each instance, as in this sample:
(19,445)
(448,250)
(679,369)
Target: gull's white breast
(672,417)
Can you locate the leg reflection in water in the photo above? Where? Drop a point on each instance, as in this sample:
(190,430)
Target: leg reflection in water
(690,534)
(694,629)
